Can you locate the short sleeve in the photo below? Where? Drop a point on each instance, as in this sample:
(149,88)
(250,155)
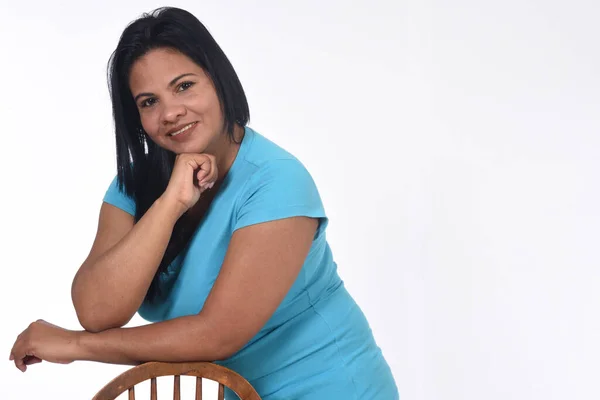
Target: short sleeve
(279,189)
(119,199)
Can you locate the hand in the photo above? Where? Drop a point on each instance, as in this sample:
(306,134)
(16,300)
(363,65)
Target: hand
(192,175)
(44,341)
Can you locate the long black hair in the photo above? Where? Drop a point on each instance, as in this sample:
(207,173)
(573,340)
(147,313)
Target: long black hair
(143,167)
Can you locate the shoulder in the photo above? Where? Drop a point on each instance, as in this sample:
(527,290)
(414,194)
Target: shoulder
(116,196)
(278,186)
(263,151)
(272,163)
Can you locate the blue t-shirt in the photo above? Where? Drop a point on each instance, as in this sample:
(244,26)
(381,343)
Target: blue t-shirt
(317,344)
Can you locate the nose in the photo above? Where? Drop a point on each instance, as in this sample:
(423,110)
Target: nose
(172,111)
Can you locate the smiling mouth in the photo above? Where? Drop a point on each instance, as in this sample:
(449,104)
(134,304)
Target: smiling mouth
(182,130)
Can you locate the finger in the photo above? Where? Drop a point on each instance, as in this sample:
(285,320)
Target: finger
(16,357)
(13,351)
(214,171)
(18,354)
(205,164)
(29,360)
(20,364)
(201,175)
(210,178)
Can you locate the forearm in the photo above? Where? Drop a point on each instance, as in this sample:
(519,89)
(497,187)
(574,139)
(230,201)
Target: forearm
(109,290)
(178,340)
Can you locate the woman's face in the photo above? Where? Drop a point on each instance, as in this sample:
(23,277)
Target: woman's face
(177,102)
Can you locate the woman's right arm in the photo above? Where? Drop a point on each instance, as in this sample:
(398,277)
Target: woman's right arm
(112,282)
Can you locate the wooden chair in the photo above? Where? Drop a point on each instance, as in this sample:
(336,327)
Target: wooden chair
(152,370)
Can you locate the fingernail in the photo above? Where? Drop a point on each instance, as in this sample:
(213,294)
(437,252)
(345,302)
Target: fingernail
(210,185)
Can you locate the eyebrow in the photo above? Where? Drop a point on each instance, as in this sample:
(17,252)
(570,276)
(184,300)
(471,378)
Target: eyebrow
(174,81)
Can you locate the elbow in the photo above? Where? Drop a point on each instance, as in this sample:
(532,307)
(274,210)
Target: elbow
(95,322)
(221,354)
(226,347)
(93,326)
(211,341)
(97,316)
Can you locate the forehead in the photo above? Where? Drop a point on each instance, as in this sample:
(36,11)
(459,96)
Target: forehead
(158,67)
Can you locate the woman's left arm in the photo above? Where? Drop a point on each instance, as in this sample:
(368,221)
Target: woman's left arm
(261,264)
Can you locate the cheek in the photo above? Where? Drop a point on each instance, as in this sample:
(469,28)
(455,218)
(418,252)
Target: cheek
(213,108)
(149,124)
(207,104)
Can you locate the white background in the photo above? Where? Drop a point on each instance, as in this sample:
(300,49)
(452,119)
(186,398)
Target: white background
(455,145)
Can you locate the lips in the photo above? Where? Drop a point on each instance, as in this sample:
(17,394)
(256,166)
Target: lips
(180,129)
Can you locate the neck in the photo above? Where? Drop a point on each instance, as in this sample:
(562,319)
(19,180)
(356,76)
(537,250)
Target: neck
(228,151)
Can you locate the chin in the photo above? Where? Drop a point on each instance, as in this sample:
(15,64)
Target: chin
(197,147)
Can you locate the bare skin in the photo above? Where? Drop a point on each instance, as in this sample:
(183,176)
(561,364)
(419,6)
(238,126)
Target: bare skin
(260,265)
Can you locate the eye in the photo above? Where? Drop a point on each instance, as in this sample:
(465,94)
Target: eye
(148,102)
(185,86)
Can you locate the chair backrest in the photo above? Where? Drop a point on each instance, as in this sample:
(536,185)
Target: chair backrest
(152,370)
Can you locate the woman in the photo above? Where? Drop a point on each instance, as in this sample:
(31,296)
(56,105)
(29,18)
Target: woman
(211,232)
